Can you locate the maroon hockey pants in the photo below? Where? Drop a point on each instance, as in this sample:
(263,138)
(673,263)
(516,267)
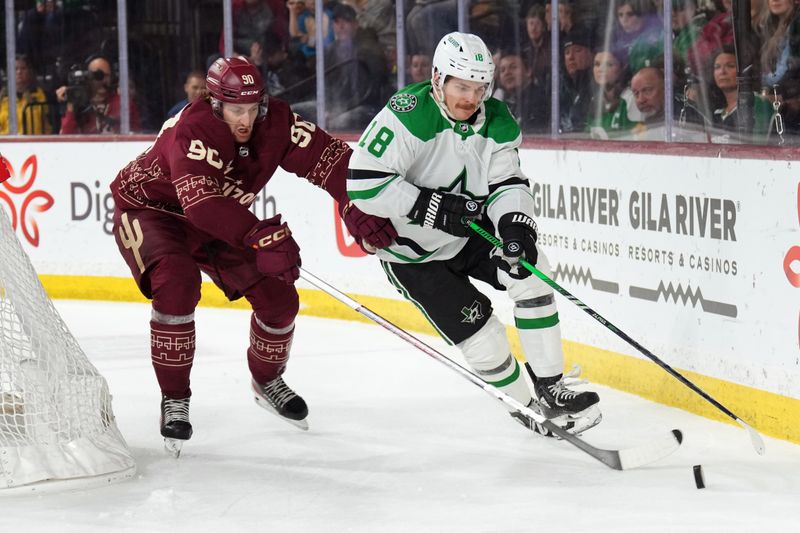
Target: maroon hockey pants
(166,256)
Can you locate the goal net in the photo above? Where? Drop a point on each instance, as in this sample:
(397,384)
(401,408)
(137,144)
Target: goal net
(56,422)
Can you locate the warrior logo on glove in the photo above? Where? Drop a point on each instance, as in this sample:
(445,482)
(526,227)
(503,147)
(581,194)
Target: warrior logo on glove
(444,211)
(518,233)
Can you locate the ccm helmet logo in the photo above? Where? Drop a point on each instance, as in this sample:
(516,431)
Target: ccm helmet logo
(247,93)
(268,240)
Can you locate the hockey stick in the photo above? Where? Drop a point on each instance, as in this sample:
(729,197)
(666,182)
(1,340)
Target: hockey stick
(755,437)
(624,459)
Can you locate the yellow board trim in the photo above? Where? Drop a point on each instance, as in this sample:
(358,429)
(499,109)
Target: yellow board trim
(771,414)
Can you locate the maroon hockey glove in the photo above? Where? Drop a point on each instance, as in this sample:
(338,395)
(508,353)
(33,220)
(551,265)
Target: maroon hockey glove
(277,253)
(372,233)
(518,233)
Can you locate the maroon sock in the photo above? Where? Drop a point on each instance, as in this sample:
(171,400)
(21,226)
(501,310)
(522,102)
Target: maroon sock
(172,353)
(268,352)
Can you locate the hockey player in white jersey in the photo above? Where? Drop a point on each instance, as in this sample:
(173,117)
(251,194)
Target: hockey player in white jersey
(441,152)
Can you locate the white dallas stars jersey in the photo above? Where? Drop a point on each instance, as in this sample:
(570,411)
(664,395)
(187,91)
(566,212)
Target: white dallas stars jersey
(412,143)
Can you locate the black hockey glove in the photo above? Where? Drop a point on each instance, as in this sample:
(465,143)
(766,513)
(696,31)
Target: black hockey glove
(518,233)
(444,211)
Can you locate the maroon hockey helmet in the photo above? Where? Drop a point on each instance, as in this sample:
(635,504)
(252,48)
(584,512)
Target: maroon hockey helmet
(236,81)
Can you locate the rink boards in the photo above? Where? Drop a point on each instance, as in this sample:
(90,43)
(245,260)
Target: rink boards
(697,258)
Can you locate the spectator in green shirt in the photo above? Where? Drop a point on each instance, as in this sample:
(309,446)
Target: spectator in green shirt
(613,110)
(725,116)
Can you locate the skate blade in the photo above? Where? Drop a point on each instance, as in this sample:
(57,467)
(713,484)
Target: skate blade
(264,404)
(580,422)
(173,446)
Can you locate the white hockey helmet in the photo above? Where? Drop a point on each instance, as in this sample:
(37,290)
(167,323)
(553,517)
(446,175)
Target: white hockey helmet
(464,56)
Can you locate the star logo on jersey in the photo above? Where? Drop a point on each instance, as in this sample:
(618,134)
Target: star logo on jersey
(472,313)
(403,102)
(459,186)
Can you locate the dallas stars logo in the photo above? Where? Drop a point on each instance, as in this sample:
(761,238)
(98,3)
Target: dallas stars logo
(472,313)
(403,103)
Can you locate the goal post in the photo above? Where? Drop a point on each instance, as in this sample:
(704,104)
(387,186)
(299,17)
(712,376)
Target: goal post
(56,421)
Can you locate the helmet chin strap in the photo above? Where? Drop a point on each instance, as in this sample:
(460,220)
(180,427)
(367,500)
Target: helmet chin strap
(438,97)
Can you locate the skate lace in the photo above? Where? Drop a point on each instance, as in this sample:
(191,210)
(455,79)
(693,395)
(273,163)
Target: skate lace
(570,379)
(278,392)
(176,410)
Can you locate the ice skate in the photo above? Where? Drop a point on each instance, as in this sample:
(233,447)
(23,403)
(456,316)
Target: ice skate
(277,398)
(175,425)
(530,423)
(575,411)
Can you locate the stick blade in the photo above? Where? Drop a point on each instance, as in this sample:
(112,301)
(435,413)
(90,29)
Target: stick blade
(651,452)
(755,437)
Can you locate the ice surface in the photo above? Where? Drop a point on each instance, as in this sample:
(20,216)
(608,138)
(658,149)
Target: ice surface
(398,443)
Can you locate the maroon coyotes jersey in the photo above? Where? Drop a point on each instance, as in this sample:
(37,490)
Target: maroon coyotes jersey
(197,170)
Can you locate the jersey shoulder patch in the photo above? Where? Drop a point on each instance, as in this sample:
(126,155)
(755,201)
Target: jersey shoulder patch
(415,108)
(500,124)
(403,102)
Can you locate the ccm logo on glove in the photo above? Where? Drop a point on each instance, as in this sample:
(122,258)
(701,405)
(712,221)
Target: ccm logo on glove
(277,254)
(268,240)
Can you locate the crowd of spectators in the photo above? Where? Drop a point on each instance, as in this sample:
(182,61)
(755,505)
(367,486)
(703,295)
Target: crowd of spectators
(610,73)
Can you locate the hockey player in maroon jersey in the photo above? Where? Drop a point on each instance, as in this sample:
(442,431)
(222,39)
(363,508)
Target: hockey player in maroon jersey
(182,207)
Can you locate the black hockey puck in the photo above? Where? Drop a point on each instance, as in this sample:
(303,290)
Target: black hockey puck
(699,479)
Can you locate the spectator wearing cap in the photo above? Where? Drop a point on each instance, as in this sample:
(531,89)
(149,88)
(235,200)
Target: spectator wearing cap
(576,80)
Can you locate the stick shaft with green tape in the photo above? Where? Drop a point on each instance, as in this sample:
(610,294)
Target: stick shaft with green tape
(755,438)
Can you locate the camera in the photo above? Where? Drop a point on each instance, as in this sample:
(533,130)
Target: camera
(78,81)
